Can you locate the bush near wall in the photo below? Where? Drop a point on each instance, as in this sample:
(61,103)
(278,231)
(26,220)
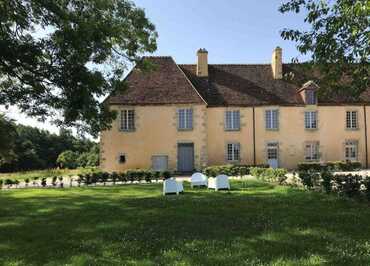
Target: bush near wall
(229,169)
(331,166)
(97,177)
(269,174)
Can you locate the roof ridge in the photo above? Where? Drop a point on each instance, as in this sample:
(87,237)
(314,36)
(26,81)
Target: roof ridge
(157,56)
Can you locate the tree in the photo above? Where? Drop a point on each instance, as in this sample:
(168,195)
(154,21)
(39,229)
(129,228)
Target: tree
(68,159)
(338,38)
(59,58)
(8,135)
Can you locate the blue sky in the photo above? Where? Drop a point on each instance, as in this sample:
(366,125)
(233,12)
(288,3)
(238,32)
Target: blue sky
(233,31)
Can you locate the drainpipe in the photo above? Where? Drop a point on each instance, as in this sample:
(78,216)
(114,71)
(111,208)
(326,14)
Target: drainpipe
(254,138)
(366,153)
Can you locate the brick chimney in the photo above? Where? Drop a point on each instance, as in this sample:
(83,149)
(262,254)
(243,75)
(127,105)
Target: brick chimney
(277,63)
(202,64)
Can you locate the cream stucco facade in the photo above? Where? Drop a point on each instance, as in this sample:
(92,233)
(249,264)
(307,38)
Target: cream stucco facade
(156,133)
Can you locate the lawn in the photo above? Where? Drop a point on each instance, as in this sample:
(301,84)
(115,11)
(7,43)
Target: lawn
(255,224)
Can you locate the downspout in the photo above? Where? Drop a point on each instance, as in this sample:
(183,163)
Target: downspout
(366,152)
(254,138)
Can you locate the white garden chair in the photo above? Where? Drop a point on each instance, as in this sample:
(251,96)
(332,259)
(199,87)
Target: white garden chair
(219,182)
(198,179)
(172,186)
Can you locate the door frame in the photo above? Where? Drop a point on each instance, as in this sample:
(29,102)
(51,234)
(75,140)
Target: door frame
(274,145)
(178,154)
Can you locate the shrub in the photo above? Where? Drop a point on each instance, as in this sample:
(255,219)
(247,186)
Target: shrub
(61,181)
(148,175)
(317,167)
(54,181)
(230,170)
(166,175)
(8,182)
(80,179)
(122,177)
(157,175)
(366,183)
(35,179)
(104,176)
(269,174)
(114,177)
(349,185)
(331,166)
(1,183)
(326,180)
(309,178)
(68,159)
(130,175)
(43,182)
(27,181)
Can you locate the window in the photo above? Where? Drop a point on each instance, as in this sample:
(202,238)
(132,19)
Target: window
(127,120)
(351,150)
(351,119)
(311,97)
(312,151)
(272,151)
(122,158)
(233,152)
(272,120)
(232,120)
(310,120)
(185,119)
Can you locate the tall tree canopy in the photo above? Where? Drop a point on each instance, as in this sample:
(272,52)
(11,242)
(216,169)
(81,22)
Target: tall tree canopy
(32,148)
(338,37)
(8,136)
(59,58)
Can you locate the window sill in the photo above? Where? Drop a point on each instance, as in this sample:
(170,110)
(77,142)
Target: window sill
(232,129)
(352,129)
(127,131)
(311,129)
(272,129)
(185,129)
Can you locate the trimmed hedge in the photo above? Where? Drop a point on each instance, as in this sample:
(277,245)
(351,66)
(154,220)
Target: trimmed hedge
(269,174)
(229,169)
(330,166)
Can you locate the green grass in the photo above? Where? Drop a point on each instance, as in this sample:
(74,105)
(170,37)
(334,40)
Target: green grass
(254,224)
(44,173)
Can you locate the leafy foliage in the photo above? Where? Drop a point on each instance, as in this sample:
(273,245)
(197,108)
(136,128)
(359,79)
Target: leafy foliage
(338,38)
(39,149)
(332,166)
(61,57)
(8,135)
(269,174)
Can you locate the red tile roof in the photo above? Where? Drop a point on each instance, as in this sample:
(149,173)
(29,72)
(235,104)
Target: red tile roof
(226,85)
(164,84)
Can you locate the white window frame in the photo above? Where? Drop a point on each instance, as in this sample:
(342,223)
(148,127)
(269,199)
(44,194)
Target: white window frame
(232,120)
(233,152)
(349,147)
(270,122)
(310,119)
(185,119)
(312,151)
(127,120)
(352,119)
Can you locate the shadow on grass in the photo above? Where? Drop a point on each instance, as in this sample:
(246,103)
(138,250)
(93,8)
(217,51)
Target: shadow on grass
(255,223)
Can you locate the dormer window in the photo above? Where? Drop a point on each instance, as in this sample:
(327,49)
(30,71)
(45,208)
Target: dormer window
(311,97)
(308,92)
